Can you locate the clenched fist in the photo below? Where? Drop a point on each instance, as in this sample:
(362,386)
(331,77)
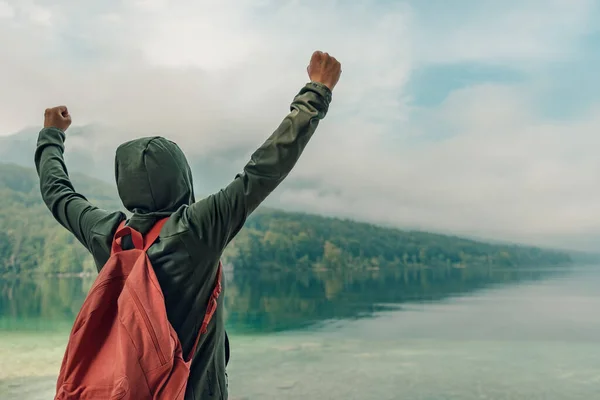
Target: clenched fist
(57,117)
(324,69)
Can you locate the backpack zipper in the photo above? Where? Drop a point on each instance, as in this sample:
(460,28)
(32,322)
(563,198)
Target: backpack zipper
(140,308)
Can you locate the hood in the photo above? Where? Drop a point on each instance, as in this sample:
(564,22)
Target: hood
(153,178)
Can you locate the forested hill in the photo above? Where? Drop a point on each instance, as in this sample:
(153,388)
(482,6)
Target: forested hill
(31,241)
(281,238)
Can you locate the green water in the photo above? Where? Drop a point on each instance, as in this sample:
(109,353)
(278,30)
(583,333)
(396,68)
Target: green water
(460,334)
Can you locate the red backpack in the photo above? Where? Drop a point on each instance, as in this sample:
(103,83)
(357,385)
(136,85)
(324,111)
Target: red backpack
(122,346)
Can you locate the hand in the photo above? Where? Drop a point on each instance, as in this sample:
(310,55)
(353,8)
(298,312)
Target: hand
(324,69)
(57,117)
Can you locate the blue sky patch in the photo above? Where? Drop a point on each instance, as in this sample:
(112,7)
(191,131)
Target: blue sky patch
(429,86)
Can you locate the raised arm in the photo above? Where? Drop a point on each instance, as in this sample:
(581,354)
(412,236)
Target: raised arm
(69,208)
(219,217)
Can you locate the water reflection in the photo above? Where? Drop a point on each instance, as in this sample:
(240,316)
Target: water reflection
(267,301)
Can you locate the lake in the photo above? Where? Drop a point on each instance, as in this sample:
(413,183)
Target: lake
(420,334)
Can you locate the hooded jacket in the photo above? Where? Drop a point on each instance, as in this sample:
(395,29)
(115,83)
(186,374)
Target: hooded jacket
(154,181)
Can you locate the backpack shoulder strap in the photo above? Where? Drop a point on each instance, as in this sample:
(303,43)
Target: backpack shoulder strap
(124,230)
(153,234)
(210,310)
(139,242)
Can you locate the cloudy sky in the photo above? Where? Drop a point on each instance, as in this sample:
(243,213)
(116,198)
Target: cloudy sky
(478,117)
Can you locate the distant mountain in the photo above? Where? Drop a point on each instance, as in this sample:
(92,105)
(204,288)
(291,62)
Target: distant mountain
(87,153)
(31,241)
(90,150)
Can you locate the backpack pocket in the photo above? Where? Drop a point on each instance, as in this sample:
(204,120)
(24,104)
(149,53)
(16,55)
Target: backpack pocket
(148,344)
(118,391)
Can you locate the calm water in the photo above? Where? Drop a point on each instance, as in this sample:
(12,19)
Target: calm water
(461,334)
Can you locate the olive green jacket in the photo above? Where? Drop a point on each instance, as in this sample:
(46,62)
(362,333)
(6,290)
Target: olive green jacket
(154,181)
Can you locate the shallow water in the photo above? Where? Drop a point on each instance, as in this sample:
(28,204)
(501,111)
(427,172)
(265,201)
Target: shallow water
(423,335)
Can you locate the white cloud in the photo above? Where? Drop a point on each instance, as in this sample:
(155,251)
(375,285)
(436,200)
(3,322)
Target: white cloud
(507,175)
(501,32)
(39,15)
(219,76)
(6,10)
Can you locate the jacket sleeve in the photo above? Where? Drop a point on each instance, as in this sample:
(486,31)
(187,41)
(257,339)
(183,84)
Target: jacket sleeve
(69,208)
(219,217)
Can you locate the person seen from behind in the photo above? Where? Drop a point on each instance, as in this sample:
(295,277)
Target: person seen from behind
(154,182)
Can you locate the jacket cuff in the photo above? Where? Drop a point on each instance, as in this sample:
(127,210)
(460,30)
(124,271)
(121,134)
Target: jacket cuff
(51,137)
(320,89)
